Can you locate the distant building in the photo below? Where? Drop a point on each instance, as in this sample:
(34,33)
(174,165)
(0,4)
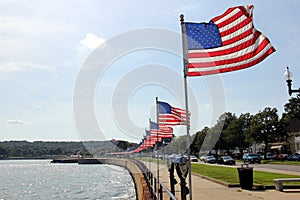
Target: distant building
(294,135)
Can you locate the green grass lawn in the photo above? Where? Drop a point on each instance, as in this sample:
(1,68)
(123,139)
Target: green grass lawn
(230,175)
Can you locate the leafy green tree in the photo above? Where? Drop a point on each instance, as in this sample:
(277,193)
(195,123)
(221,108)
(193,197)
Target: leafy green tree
(198,141)
(236,132)
(222,125)
(3,152)
(292,109)
(264,127)
(179,145)
(291,115)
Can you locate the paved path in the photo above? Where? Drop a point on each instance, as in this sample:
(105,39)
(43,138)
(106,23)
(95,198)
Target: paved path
(204,189)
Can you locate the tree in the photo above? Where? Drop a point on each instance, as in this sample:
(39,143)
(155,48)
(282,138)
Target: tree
(290,116)
(292,109)
(179,145)
(222,125)
(264,127)
(237,132)
(3,152)
(198,141)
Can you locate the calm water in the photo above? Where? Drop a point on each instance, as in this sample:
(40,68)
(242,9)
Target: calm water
(40,179)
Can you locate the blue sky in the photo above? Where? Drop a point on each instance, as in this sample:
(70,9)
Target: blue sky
(44,45)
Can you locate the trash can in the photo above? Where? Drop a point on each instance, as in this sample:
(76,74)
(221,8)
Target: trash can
(246,176)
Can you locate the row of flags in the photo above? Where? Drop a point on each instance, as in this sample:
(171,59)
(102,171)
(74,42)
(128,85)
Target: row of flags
(168,116)
(227,43)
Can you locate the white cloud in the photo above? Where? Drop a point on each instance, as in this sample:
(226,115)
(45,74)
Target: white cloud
(30,26)
(15,122)
(92,41)
(21,66)
(208,106)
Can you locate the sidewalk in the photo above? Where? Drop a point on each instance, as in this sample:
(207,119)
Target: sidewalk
(208,190)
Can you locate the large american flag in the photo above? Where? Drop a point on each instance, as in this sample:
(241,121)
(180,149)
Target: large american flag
(170,116)
(228,42)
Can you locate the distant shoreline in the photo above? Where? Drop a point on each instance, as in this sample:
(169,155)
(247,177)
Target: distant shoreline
(26,158)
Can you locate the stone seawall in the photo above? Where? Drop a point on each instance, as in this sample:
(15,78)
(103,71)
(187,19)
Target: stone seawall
(142,190)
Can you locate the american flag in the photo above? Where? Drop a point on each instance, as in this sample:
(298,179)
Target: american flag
(152,139)
(227,43)
(170,116)
(163,132)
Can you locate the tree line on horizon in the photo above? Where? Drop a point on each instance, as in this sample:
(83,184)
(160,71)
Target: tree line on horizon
(41,149)
(241,131)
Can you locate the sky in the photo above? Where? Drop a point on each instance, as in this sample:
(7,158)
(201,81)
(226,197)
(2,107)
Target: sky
(50,92)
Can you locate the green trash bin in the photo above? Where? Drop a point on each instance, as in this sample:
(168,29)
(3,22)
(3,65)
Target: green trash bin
(246,176)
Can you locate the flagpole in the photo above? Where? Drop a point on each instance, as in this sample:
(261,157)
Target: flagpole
(184,52)
(157,121)
(150,148)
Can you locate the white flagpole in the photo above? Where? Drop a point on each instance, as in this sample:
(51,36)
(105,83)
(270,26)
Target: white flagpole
(184,51)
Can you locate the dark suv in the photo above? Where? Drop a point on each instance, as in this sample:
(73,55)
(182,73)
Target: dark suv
(251,158)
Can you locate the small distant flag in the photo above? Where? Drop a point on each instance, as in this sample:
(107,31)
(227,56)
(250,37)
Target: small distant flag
(170,116)
(147,133)
(227,43)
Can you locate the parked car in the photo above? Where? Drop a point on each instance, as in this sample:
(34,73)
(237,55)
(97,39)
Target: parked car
(194,159)
(210,159)
(226,160)
(261,154)
(294,157)
(202,158)
(251,158)
(270,156)
(281,156)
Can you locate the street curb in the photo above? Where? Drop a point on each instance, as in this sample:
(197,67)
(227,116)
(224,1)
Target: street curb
(216,180)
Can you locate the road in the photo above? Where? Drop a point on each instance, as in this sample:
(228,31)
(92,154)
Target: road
(283,169)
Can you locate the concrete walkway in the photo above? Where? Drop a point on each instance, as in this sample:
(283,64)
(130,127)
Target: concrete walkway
(204,189)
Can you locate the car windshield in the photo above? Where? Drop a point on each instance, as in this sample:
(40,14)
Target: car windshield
(227,157)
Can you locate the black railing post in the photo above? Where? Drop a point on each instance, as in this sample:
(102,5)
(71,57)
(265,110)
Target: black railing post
(183,189)
(160,192)
(172,178)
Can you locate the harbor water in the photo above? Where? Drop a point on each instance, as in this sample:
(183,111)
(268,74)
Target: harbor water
(40,179)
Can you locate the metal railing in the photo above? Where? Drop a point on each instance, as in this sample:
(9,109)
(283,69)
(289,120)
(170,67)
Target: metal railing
(156,188)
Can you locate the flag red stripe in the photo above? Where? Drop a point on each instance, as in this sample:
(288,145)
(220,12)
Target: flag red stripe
(246,65)
(229,20)
(238,37)
(245,56)
(227,12)
(237,27)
